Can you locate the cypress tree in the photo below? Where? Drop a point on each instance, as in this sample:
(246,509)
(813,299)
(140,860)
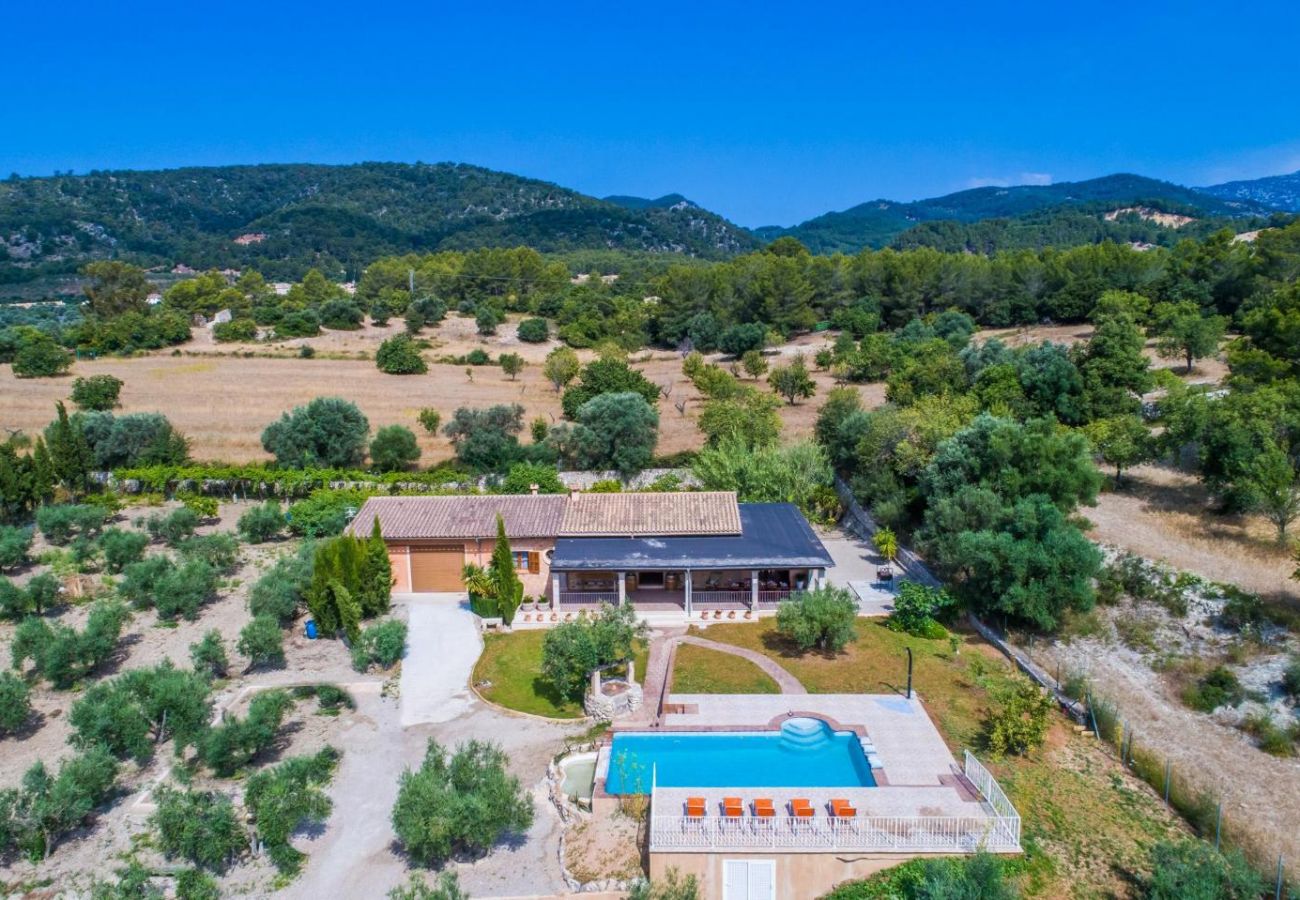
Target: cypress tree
(376,575)
(70,455)
(510,590)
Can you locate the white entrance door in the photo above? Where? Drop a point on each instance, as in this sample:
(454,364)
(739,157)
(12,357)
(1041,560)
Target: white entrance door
(748,879)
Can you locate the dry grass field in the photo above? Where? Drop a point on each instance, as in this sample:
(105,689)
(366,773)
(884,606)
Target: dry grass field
(222,399)
(1164,514)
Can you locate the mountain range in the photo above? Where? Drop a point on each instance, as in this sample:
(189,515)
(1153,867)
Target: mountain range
(285,218)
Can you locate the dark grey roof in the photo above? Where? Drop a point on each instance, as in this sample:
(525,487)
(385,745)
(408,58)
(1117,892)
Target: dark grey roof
(773,535)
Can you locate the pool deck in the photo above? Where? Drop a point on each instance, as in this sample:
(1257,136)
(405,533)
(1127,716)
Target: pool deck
(916,774)
(909,747)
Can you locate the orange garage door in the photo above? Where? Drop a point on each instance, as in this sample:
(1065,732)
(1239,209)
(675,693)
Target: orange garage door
(437,568)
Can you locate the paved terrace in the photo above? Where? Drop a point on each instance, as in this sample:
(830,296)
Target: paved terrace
(909,747)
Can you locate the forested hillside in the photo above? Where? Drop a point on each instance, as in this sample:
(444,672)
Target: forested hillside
(285,219)
(1279,191)
(1053,214)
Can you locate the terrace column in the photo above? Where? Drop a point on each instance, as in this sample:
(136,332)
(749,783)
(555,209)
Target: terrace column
(753,589)
(555,590)
(622,588)
(689,579)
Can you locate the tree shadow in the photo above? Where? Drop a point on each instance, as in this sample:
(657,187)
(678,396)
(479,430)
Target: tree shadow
(548,692)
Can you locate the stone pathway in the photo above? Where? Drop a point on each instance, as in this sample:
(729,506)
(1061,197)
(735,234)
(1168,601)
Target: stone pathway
(787,682)
(662,645)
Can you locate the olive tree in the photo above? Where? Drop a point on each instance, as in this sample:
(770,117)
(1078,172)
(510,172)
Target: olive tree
(459,803)
(823,618)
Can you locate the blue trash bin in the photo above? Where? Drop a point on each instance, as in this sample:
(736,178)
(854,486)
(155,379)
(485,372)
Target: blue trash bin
(311,629)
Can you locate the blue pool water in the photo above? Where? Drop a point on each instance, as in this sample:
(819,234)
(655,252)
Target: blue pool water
(804,753)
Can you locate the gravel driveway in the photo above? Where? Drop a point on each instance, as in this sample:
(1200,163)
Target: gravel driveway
(355,854)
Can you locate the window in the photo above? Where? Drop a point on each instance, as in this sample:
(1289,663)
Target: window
(748,879)
(521,559)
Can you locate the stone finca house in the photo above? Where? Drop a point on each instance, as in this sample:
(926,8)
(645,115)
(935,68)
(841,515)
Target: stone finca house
(666,552)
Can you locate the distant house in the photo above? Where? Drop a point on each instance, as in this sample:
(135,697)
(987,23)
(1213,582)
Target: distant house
(682,551)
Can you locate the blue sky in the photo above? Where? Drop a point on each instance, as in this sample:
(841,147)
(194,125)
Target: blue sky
(768,113)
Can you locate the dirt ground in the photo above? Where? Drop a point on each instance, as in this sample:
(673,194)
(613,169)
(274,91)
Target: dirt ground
(95,850)
(1164,514)
(222,401)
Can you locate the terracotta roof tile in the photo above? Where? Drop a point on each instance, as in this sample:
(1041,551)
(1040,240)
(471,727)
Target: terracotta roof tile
(623,515)
(463,516)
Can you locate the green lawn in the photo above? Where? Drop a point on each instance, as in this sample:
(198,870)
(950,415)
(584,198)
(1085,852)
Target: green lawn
(512,663)
(1088,823)
(699,670)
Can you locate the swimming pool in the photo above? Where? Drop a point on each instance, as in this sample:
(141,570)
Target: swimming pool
(804,753)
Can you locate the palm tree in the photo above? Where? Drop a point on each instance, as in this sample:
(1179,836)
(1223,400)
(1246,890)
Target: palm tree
(886,542)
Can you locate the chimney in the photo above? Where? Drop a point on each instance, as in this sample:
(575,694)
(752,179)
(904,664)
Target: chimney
(533,489)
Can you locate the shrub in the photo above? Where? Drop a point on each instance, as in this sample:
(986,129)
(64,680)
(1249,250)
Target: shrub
(298,323)
(263,523)
(285,798)
(47,806)
(478,357)
(141,708)
(228,747)
(122,548)
(202,506)
(208,655)
(522,476)
(486,439)
(572,650)
(1218,687)
(139,584)
(261,641)
(135,439)
(13,601)
(487,319)
(429,419)
(394,449)
(738,339)
(279,593)
(173,527)
(198,826)
(447,887)
(381,644)
(462,804)
(673,886)
(195,884)
(41,357)
(98,392)
(1291,678)
(512,364)
(60,524)
(823,618)
(917,609)
(533,331)
(14,545)
(15,703)
(235,330)
(1193,870)
(63,655)
(183,589)
(1020,723)
(332,698)
(399,355)
(218,550)
(327,432)
(325,512)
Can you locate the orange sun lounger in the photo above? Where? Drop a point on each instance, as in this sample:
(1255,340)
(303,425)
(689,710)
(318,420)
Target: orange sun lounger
(842,809)
(800,808)
(732,807)
(764,809)
(695,807)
